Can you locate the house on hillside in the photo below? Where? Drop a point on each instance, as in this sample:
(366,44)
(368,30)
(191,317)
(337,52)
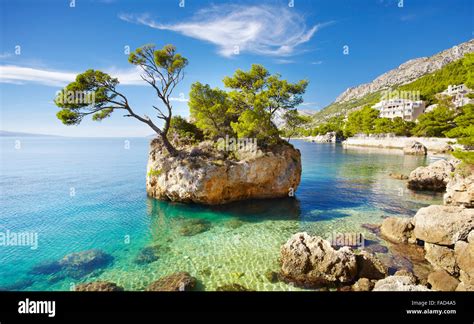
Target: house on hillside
(459,94)
(406,109)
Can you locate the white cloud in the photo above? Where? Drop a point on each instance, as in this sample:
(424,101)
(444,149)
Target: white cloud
(179,99)
(317,62)
(264,30)
(20,75)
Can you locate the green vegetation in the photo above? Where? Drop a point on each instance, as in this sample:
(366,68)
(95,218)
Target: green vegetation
(154,173)
(95,93)
(246,111)
(456,72)
(184,131)
(361,121)
(294,123)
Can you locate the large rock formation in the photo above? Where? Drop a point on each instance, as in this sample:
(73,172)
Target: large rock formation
(199,177)
(398,230)
(408,71)
(432,177)
(443,225)
(312,262)
(460,191)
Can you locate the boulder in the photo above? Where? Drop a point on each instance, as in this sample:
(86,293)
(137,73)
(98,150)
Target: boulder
(397,230)
(415,148)
(432,177)
(179,281)
(398,283)
(464,253)
(312,262)
(460,191)
(98,286)
(443,225)
(440,280)
(406,273)
(441,257)
(211,179)
(464,287)
(363,284)
(368,266)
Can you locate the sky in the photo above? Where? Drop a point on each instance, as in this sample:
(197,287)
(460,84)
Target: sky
(334,44)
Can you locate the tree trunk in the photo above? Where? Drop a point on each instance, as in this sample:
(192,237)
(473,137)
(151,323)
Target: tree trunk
(169,147)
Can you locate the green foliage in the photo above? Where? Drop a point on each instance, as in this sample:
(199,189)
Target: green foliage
(334,124)
(464,123)
(465,156)
(154,172)
(435,123)
(361,121)
(90,94)
(211,110)
(185,131)
(165,58)
(293,123)
(396,126)
(257,96)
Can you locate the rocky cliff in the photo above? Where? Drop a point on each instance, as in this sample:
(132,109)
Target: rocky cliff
(200,177)
(408,71)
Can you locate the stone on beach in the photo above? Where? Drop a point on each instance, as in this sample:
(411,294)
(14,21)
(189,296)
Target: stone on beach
(443,225)
(398,283)
(432,177)
(312,262)
(397,230)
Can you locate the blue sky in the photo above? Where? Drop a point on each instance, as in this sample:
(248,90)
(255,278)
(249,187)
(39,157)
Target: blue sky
(304,41)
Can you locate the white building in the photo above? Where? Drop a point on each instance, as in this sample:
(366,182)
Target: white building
(406,109)
(459,94)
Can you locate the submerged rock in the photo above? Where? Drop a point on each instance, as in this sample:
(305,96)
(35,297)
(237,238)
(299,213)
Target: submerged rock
(312,262)
(98,286)
(398,283)
(147,255)
(191,227)
(232,287)
(398,230)
(234,223)
(272,276)
(75,265)
(398,176)
(206,180)
(443,225)
(179,281)
(79,264)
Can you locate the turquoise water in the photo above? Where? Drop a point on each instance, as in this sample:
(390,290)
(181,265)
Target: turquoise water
(78,194)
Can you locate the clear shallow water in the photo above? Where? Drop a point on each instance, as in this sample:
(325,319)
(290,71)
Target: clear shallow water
(340,190)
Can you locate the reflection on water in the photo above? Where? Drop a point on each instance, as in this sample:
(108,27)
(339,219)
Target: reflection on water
(236,243)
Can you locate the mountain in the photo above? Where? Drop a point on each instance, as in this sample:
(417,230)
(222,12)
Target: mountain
(19,134)
(408,72)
